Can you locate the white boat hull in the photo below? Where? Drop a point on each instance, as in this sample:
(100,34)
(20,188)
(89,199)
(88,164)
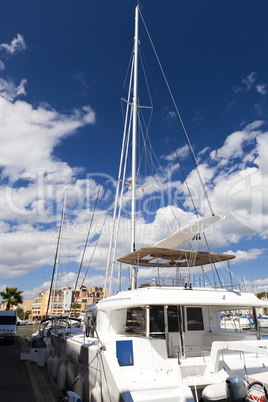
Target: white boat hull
(154,376)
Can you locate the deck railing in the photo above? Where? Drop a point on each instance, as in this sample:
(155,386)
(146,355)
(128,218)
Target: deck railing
(193,283)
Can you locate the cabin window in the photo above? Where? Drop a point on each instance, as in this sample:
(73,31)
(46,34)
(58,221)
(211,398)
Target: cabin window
(238,320)
(135,323)
(173,319)
(195,319)
(157,321)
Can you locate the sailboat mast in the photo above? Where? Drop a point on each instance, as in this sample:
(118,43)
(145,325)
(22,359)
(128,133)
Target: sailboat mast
(56,261)
(134,145)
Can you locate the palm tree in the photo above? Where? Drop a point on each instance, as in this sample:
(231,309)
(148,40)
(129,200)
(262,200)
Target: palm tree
(75,305)
(12,297)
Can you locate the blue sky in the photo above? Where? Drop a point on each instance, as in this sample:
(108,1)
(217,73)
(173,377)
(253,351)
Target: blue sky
(62,67)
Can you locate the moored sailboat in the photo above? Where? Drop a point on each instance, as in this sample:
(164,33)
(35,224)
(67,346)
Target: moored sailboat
(161,341)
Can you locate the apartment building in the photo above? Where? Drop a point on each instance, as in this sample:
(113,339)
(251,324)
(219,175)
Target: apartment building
(64,301)
(26,305)
(39,305)
(85,296)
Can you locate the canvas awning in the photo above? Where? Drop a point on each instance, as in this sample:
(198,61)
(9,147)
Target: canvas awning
(166,257)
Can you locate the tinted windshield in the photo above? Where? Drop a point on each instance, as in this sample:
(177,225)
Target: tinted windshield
(8,320)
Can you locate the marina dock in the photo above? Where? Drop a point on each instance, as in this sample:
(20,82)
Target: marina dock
(24,381)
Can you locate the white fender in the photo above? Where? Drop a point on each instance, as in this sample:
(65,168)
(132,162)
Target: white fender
(70,374)
(49,364)
(78,385)
(61,380)
(63,359)
(55,367)
(96,393)
(48,352)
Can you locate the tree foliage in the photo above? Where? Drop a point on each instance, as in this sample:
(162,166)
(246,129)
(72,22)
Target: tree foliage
(23,315)
(12,297)
(261,295)
(75,305)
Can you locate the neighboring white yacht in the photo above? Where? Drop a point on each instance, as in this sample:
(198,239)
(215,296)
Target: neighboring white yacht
(237,322)
(263,321)
(162,341)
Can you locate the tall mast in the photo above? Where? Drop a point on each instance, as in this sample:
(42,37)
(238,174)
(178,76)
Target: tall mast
(56,261)
(134,145)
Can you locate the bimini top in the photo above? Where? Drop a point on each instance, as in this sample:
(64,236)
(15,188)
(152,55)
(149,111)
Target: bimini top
(167,257)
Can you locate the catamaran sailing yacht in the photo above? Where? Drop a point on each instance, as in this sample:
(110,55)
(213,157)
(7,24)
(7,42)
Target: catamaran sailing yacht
(162,340)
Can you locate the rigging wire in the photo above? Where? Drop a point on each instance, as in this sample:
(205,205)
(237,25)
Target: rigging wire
(99,188)
(115,239)
(172,141)
(175,150)
(151,153)
(164,194)
(90,261)
(57,253)
(151,148)
(93,213)
(186,137)
(180,120)
(124,148)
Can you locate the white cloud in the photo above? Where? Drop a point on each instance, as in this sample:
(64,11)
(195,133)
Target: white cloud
(237,188)
(181,153)
(21,88)
(9,90)
(24,249)
(245,256)
(238,91)
(17,45)
(242,193)
(203,152)
(28,136)
(249,80)
(235,144)
(261,89)
(236,177)
(33,180)
(259,285)
(2,66)
(232,147)
(254,125)
(171,115)
(207,173)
